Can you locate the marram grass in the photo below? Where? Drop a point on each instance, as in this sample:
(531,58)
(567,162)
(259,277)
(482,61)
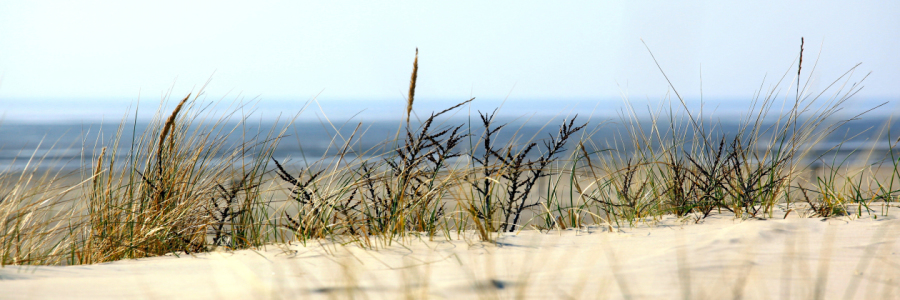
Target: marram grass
(181,188)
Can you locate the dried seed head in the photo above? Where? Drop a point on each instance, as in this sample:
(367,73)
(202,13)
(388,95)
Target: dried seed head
(168,126)
(412,87)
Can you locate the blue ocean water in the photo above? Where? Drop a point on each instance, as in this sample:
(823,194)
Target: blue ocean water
(68,134)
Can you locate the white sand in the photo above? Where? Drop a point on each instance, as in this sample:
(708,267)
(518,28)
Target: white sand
(720,258)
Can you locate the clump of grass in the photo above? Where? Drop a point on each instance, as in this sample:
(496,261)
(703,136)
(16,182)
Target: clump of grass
(232,213)
(170,194)
(418,185)
(182,186)
(401,193)
(746,172)
(509,176)
(34,213)
(522,173)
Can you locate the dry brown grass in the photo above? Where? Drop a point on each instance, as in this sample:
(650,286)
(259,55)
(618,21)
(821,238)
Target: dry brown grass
(412,87)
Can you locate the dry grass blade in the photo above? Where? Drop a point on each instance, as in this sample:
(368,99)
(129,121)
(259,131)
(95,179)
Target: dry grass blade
(799,67)
(412,87)
(170,122)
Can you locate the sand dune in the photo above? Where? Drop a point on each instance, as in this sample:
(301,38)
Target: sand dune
(794,258)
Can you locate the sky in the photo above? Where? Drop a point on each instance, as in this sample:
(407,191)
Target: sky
(68,53)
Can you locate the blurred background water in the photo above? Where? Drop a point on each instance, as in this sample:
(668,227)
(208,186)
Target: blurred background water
(68,137)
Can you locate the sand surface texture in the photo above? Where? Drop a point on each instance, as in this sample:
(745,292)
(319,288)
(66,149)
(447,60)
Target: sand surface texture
(720,258)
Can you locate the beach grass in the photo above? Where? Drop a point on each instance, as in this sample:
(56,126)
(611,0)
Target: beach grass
(182,187)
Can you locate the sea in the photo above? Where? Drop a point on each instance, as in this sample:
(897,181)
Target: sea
(68,134)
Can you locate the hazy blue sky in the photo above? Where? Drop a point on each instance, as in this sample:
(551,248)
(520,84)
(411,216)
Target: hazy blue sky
(364,49)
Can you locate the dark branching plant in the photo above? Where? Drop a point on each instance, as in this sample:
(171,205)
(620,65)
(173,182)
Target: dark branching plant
(522,173)
(630,192)
(228,208)
(308,222)
(320,213)
(486,207)
(416,186)
(681,192)
(403,194)
(754,183)
(710,176)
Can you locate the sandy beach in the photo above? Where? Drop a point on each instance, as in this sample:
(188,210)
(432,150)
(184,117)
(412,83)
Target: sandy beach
(792,258)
